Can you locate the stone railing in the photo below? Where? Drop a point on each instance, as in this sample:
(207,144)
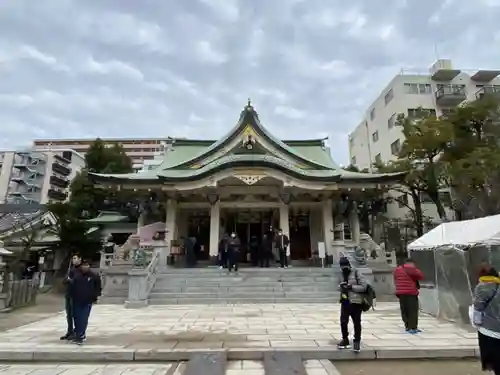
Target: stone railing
(142,276)
(16,293)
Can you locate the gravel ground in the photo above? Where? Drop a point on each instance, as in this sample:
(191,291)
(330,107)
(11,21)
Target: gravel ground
(422,367)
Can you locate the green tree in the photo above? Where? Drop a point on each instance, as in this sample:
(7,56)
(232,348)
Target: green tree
(88,199)
(73,234)
(426,138)
(371,206)
(472,158)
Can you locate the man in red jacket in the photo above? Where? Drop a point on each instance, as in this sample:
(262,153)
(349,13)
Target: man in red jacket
(407,279)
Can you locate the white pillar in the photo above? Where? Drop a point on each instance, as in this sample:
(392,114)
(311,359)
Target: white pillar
(171,229)
(285,219)
(354,223)
(327,213)
(140,220)
(214,229)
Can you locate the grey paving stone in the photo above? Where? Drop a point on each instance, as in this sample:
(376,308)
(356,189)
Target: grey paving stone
(207,364)
(431,353)
(284,363)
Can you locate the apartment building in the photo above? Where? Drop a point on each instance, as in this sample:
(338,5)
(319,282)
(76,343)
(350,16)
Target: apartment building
(37,176)
(377,139)
(138,150)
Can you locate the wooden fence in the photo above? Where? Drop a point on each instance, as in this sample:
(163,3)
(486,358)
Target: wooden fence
(17,293)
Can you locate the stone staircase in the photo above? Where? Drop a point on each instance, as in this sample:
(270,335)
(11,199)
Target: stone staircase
(250,285)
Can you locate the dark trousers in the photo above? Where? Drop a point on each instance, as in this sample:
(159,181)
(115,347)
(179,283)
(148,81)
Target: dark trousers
(232,260)
(283,258)
(352,311)
(264,257)
(409,311)
(81,314)
(68,305)
(223,258)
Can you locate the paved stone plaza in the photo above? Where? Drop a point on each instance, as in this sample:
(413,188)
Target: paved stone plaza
(313,367)
(138,334)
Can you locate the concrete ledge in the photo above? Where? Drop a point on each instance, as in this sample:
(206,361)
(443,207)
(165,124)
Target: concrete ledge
(136,304)
(89,354)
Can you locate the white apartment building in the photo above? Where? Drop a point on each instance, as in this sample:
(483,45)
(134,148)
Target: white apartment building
(138,150)
(37,176)
(377,139)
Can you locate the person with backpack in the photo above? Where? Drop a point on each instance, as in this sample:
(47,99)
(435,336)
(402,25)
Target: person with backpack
(407,279)
(353,288)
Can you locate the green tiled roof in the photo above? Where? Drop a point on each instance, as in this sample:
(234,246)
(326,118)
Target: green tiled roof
(192,159)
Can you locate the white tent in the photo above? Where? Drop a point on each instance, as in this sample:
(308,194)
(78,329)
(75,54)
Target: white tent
(485,230)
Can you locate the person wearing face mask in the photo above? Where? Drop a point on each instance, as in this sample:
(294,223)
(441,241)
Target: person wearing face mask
(233,250)
(352,287)
(68,301)
(282,243)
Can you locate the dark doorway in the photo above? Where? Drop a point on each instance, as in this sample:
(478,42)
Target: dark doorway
(300,237)
(199,228)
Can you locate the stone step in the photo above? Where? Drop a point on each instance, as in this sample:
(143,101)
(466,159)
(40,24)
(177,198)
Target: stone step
(239,294)
(243,288)
(245,300)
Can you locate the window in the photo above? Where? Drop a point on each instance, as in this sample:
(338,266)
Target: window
(395,147)
(418,88)
(372,114)
(378,159)
(375,136)
(353,160)
(421,112)
(392,121)
(402,200)
(389,96)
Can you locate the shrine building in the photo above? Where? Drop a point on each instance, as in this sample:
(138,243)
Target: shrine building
(248,181)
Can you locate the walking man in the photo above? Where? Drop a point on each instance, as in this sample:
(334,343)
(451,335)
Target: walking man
(282,243)
(352,287)
(407,279)
(85,290)
(233,252)
(68,302)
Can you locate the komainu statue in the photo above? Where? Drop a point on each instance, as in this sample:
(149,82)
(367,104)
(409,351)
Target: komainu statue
(126,250)
(373,251)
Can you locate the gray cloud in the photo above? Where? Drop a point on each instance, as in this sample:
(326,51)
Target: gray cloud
(186,68)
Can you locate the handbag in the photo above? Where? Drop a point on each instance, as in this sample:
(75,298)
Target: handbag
(476,317)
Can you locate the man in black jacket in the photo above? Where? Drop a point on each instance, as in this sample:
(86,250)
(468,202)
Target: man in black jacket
(282,243)
(68,303)
(85,290)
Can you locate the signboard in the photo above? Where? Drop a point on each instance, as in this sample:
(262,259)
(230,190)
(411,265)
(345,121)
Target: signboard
(321,250)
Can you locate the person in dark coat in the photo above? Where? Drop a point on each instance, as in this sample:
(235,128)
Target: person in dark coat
(233,252)
(223,251)
(282,243)
(267,248)
(189,250)
(68,302)
(85,289)
(254,250)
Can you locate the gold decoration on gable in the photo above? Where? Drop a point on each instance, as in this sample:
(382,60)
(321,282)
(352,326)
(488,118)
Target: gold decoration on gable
(249,130)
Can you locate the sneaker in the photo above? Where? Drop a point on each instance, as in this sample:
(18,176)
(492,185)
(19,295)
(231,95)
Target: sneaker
(78,341)
(220,267)
(344,344)
(413,331)
(356,346)
(67,336)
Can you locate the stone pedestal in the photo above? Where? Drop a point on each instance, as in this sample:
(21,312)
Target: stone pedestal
(137,289)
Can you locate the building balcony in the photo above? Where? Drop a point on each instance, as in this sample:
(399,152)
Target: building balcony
(57,194)
(450,95)
(62,159)
(490,91)
(59,181)
(485,75)
(61,169)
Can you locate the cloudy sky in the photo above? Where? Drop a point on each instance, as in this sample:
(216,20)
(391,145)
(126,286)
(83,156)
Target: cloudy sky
(147,68)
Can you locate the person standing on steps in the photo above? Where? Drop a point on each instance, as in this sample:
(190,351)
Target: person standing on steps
(223,251)
(253,247)
(352,287)
(68,302)
(282,243)
(407,279)
(267,249)
(85,290)
(233,252)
